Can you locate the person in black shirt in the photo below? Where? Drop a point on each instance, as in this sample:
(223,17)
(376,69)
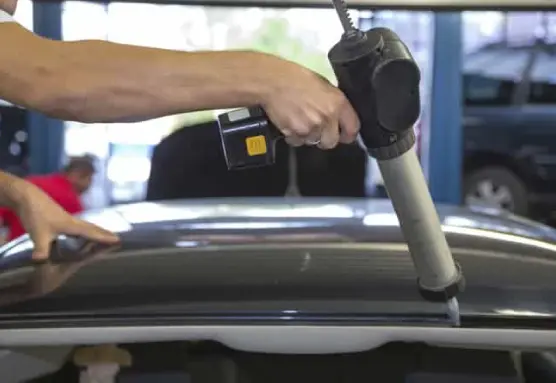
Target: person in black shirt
(190,163)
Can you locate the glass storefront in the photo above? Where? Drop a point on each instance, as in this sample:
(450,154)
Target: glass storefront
(512,28)
(497,58)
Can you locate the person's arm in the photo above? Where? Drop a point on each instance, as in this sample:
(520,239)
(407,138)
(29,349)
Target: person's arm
(99,81)
(43,218)
(8,6)
(11,191)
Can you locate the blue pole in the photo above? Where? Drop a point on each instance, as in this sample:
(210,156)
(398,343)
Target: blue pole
(46,135)
(445,135)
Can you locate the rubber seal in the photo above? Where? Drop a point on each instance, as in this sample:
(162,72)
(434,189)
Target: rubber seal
(446,293)
(396,149)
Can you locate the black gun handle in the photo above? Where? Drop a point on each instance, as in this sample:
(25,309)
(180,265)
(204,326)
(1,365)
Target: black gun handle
(248,138)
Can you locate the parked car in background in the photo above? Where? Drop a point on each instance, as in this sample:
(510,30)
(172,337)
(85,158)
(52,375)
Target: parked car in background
(279,290)
(509,130)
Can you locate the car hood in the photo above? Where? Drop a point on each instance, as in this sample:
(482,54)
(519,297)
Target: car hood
(277,259)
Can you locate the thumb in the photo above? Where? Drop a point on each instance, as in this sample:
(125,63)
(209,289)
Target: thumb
(41,249)
(93,232)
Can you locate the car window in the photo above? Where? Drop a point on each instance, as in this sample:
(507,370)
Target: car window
(491,91)
(491,75)
(543,80)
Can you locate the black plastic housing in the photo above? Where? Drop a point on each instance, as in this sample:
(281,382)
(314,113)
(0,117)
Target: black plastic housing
(381,79)
(248,138)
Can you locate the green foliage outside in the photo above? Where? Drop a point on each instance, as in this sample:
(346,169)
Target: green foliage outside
(274,37)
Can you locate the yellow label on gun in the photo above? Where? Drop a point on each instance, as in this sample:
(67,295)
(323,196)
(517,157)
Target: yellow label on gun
(256,145)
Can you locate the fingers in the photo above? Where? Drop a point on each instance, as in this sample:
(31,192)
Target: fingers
(304,132)
(325,136)
(313,112)
(349,123)
(92,232)
(294,141)
(330,136)
(334,124)
(41,250)
(43,240)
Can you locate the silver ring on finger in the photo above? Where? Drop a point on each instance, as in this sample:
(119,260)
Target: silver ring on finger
(313,143)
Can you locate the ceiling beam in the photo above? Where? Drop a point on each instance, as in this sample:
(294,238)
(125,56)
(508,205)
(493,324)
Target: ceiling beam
(435,5)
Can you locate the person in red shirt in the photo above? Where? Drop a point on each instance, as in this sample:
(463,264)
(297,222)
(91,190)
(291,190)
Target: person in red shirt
(64,188)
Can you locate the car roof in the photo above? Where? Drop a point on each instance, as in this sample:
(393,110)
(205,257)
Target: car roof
(358,211)
(319,255)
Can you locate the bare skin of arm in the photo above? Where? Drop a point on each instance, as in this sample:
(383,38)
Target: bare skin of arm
(10,191)
(8,6)
(99,81)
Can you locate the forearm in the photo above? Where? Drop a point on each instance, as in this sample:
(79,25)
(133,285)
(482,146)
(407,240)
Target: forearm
(98,81)
(11,190)
(126,83)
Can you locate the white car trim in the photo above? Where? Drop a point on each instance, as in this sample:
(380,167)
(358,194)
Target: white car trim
(287,339)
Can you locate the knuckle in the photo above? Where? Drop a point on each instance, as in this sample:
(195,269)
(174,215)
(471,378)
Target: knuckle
(330,138)
(304,129)
(286,132)
(294,141)
(331,107)
(318,119)
(327,145)
(339,99)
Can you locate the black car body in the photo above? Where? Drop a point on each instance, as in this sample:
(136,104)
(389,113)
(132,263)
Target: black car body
(509,127)
(280,276)
(321,261)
